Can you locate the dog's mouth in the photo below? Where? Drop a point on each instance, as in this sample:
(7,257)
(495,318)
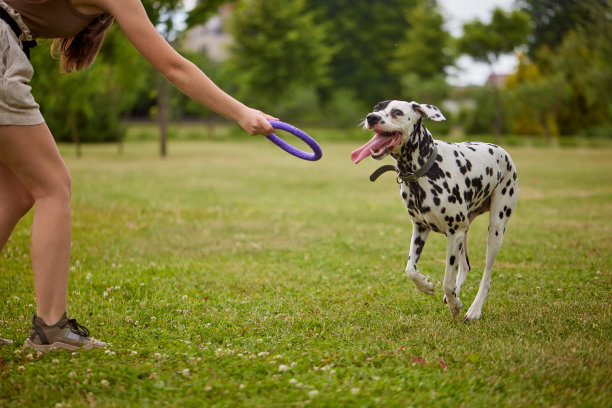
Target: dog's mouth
(378,147)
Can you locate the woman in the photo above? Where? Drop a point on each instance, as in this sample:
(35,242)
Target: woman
(32,172)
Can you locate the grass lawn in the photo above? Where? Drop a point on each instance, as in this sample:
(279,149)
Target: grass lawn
(232,274)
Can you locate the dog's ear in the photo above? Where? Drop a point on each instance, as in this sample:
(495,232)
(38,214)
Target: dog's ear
(428,111)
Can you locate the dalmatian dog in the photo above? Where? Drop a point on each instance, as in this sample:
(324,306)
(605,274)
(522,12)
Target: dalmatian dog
(444,186)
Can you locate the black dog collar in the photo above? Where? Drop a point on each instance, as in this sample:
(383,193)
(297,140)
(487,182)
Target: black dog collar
(406,177)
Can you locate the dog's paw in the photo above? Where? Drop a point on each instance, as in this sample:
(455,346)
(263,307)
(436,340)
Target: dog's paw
(471,315)
(425,286)
(455,307)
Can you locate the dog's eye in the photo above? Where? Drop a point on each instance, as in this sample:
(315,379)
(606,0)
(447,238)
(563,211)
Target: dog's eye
(396,112)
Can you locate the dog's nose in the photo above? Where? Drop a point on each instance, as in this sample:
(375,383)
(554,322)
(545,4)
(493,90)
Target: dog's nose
(372,119)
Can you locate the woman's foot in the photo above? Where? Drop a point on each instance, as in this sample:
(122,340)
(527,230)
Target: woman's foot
(65,334)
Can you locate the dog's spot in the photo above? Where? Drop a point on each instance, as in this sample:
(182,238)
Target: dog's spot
(451,260)
(501,215)
(404,195)
(490,151)
(508,212)
(436,201)
(511,192)
(381,105)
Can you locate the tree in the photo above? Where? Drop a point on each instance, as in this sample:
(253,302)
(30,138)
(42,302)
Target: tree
(487,42)
(365,35)
(573,40)
(553,19)
(422,55)
(89,105)
(535,99)
(278,51)
(424,48)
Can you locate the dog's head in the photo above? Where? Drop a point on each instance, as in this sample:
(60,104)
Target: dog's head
(393,124)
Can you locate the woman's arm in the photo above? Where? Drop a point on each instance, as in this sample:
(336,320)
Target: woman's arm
(188,78)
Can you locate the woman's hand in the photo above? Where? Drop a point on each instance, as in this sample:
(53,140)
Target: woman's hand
(255,122)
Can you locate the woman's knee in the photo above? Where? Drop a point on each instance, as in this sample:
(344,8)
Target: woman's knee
(56,186)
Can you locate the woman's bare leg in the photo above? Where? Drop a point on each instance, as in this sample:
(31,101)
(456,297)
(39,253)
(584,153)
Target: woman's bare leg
(15,202)
(30,153)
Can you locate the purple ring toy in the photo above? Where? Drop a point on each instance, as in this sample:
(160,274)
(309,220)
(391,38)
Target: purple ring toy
(316,149)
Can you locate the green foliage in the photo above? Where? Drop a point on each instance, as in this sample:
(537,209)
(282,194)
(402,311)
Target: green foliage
(478,120)
(89,105)
(365,36)
(572,47)
(204,10)
(486,42)
(424,50)
(553,19)
(278,49)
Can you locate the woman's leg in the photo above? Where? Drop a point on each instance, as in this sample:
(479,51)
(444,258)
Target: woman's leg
(30,154)
(15,202)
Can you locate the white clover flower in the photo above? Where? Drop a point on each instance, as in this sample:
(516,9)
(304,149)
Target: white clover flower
(128,319)
(313,393)
(241,387)
(355,391)
(185,372)
(283,368)
(88,276)
(184,297)
(104,383)
(153,318)
(293,381)
(293,365)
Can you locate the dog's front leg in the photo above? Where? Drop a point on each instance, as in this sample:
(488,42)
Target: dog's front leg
(419,236)
(454,249)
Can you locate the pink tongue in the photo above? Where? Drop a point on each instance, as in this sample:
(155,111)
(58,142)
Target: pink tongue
(365,150)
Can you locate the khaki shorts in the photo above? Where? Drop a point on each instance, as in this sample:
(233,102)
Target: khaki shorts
(17,105)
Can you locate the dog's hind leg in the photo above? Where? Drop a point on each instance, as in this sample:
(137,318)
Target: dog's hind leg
(501,210)
(419,236)
(454,251)
(464,268)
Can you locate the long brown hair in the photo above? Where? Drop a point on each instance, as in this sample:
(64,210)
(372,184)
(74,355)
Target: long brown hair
(80,51)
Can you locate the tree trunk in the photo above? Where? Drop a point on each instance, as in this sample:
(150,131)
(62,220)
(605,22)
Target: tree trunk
(498,120)
(163,103)
(546,128)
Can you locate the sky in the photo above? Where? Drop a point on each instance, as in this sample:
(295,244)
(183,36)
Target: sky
(457,12)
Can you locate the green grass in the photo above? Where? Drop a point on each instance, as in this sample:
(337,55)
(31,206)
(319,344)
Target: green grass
(232,274)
